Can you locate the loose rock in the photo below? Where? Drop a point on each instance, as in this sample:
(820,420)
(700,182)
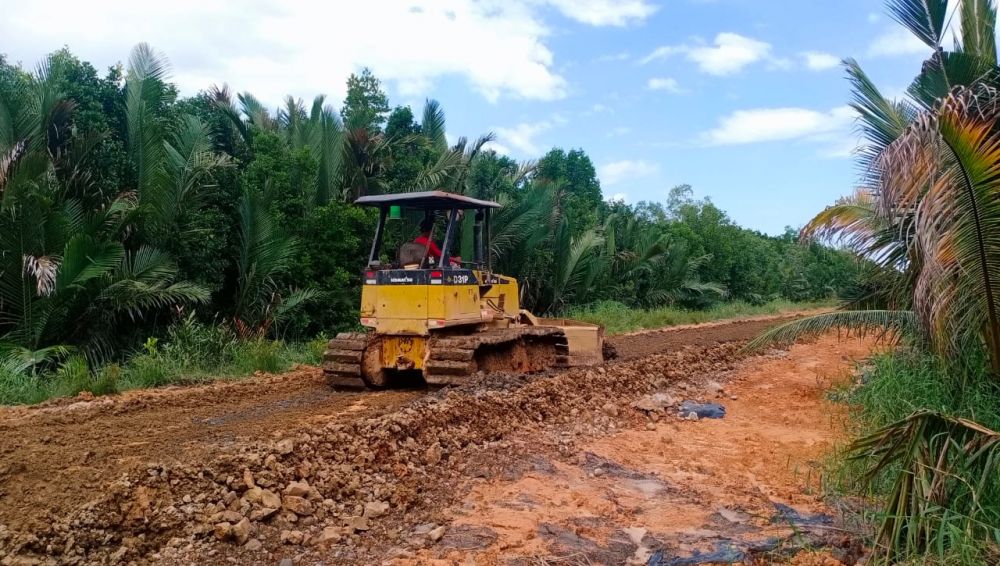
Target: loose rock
(223,531)
(297,489)
(374,509)
(433,454)
(654,402)
(357,523)
(436,534)
(270,499)
(242,530)
(291,537)
(330,535)
(298,505)
(285,447)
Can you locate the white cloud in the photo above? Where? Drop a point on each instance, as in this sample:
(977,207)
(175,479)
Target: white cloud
(781,124)
(276,47)
(619,131)
(605,12)
(897,41)
(618,197)
(618,171)
(729,53)
(663,52)
(522,136)
(819,61)
(497,147)
(664,83)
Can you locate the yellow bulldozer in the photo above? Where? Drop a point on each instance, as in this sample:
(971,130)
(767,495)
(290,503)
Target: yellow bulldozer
(428,312)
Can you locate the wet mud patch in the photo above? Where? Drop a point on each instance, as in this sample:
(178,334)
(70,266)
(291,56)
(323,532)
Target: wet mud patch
(468,538)
(665,490)
(568,543)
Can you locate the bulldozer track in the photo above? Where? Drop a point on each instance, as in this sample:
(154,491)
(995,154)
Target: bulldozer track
(453,358)
(342,359)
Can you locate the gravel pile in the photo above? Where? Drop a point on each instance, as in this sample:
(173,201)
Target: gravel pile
(334,488)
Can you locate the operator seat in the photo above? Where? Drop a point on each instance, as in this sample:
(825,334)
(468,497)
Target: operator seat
(411,255)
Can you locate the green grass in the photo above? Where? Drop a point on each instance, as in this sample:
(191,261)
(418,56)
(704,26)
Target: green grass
(191,353)
(892,387)
(618,318)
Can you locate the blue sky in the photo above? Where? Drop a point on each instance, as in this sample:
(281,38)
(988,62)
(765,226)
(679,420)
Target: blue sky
(742,99)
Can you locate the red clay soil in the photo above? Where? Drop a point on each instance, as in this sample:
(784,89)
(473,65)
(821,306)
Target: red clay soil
(53,457)
(676,485)
(647,342)
(88,481)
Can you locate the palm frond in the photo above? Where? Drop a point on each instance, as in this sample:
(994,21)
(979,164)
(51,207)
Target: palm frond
(432,126)
(945,168)
(145,94)
(941,466)
(948,70)
(294,302)
(978,24)
(879,323)
(924,18)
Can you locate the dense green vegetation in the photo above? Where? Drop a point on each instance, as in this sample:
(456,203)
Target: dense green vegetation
(127,210)
(927,215)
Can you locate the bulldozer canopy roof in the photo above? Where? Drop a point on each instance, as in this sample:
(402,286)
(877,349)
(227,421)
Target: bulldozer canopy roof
(433,200)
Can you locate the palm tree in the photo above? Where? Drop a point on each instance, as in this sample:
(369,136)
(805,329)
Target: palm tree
(905,144)
(928,213)
(319,130)
(265,253)
(71,269)
(645,263)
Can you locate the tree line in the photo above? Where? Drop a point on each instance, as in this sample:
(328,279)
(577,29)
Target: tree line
(126,207)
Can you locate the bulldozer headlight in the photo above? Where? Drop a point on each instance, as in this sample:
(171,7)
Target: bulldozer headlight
(436,277)
(369,278)
(369,321)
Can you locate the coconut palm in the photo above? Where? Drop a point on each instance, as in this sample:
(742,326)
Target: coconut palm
(928,213)
(881,226)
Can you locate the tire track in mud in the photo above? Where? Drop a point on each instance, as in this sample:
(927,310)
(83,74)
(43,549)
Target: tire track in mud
(54,457)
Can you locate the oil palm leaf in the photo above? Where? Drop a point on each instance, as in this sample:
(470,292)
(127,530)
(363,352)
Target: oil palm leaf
(265,252)
(144,96)
(432,126)
(945,466)
(880,120)
(946,168)
(879,323)
(145,280)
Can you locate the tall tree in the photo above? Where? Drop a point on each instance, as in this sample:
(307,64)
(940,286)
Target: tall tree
(574,173)
(366,104)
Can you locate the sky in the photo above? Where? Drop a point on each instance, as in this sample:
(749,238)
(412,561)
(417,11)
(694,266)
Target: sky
(744,100)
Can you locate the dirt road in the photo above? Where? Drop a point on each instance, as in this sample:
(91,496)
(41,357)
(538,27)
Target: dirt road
(180,474)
